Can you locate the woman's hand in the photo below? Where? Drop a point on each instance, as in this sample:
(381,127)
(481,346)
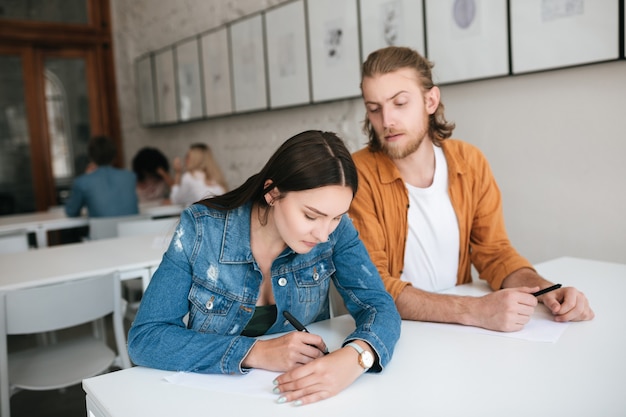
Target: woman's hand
(319,379)
(177,164)
(285,352)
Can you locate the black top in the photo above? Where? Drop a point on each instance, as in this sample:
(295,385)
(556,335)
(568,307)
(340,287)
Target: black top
(262,319)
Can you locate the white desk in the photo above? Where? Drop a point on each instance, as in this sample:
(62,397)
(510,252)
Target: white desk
(436,370)
(130,255)
(41,222)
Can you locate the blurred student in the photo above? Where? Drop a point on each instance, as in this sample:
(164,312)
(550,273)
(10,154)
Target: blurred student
(104,190)
(202,177)
(151,168)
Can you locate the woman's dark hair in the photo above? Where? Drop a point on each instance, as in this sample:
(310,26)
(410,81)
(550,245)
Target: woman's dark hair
(308,160)
(147,161)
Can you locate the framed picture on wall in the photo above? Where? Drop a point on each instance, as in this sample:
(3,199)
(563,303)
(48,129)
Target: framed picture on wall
(334,49)
(188,80)
(287,58)
(548,34)
(469,39)
(391,23)
(215,64)
(248,52)
(145,90)
(165,86)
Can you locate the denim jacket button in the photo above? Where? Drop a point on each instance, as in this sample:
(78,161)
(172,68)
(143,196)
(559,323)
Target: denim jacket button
(209,305)
(282,281)
(316,276)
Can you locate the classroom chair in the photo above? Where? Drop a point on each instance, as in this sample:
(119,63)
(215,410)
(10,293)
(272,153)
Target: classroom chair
(73,358)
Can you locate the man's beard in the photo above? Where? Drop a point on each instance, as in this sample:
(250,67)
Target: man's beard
(399,151)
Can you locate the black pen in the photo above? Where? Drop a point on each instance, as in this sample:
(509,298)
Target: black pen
(545,290)
(298,326)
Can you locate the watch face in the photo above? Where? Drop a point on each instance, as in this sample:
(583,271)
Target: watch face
(367,359)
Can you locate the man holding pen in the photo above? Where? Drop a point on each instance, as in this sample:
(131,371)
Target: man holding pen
(428,208)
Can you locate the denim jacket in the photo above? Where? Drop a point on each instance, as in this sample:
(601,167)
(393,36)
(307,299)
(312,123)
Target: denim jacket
(208,273)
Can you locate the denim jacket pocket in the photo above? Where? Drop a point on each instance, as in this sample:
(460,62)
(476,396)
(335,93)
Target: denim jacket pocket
(211,311)
(313,280)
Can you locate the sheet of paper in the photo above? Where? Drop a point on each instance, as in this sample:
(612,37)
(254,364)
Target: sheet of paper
(540,328)
(257,383)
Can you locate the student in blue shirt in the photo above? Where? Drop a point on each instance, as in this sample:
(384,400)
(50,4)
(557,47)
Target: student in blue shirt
(238,261)
(106,191)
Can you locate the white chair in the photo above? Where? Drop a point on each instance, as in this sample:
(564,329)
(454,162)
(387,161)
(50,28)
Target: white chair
(54,307)
(106,227)
(14,241)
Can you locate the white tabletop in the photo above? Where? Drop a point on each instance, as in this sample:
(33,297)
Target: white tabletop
(41,222)
(436,370)
(76,260)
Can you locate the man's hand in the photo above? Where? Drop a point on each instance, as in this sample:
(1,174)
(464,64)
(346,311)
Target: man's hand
(568,304)
(507,310)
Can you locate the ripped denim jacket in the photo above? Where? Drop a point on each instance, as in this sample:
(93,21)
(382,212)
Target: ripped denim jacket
(208,274)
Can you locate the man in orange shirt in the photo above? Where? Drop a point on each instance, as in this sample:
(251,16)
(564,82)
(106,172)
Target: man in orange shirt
(428,208)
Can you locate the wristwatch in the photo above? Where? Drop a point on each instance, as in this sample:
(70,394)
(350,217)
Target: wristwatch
(366,359)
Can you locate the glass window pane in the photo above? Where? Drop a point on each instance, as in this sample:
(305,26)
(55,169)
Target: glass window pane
(60,11)
(67,109)
(17,193)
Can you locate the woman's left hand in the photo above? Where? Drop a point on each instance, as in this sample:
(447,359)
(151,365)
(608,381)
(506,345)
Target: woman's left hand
(320,379)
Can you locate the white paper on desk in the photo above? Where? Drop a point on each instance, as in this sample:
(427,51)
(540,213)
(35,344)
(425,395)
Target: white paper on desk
(540,328)
(256,383)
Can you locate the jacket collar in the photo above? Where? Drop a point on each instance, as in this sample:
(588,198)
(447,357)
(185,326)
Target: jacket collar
(236,237)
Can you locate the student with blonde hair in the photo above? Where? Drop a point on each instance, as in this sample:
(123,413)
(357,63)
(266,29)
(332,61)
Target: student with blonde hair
(202,179)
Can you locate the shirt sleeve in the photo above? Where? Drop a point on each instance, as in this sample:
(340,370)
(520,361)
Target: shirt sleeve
(490,249)
(358,282)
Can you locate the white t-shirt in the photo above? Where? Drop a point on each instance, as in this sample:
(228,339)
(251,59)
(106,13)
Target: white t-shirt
(431,256)
(193,188)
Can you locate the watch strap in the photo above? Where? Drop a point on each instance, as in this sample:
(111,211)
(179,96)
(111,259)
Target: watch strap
(361,352)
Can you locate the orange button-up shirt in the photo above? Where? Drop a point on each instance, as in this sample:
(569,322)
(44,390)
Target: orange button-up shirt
(380,209)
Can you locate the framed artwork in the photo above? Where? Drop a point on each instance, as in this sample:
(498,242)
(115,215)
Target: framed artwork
(165,86)
(287,58)
(334,49)
(391,23)
(469,41)
(188,80)
(145,90)
(215,64)
(547,34)
(248,55)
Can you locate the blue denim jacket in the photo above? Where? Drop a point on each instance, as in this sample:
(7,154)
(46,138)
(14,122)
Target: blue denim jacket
(209,272)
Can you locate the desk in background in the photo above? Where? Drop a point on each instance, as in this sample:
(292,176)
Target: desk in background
(436,370)
(41,222)
(132,256)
